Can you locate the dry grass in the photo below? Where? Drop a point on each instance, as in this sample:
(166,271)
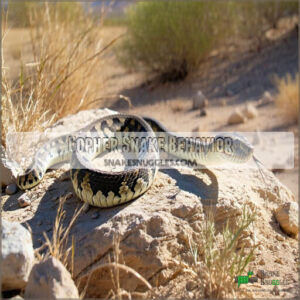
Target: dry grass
(58,245)
(63,77)
(287,98)
(115,265)
(216,263)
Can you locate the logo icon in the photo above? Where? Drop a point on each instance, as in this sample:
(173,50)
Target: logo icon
(246,279)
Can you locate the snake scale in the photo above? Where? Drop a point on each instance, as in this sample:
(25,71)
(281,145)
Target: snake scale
(106,188)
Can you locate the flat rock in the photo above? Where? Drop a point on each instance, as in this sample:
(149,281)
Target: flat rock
(17,255)
(287,216)
(49,279)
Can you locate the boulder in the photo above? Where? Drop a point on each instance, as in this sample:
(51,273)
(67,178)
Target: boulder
(49,279)
(236,117)
(17,255)
(155,231)
(287,216)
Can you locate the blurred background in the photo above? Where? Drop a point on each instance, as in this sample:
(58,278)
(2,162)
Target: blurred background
(193,65)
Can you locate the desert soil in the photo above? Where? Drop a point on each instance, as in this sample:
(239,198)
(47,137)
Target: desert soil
(229,79)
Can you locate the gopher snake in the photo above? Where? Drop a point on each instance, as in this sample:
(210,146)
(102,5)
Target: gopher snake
(105,188)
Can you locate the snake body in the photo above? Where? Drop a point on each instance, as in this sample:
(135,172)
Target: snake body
(106,188)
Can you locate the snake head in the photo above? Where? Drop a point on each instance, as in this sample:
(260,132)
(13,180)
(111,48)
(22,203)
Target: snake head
(233,147)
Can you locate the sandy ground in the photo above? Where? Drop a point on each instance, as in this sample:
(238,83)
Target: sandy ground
(228,79)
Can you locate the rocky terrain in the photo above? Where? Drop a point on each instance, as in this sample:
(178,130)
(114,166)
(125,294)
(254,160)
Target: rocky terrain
(154,233)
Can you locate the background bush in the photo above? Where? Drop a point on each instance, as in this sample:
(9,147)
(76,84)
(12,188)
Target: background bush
(171,38)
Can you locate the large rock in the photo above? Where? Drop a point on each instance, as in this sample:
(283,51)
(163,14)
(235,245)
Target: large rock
(17,255)
(49,279)
(287,216)
(156,229)
(6,176)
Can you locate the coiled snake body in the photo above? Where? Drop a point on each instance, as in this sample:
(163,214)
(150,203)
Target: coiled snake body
(105,188)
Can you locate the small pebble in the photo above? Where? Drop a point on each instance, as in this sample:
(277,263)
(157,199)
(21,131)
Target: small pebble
(95,215)
(203,112)
(169,181)
(275,248)
(24,200)
(190,285)
(280,237)
(11,189)
(262,262)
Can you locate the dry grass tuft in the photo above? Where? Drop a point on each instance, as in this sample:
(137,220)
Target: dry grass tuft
(58,245)
(63,76)
(287,98)
(216,263)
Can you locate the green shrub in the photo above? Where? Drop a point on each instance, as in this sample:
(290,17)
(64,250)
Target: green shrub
(173,37)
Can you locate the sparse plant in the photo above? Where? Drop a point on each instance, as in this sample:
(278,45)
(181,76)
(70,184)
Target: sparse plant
(58,245)
(287,98)
(217,262)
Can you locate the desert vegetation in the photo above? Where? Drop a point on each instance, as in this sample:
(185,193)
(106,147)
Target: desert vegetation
(287,98)
(161,35)
(66,51)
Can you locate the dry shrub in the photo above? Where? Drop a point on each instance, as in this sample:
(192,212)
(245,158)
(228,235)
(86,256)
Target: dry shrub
(216,262)
(63,77)
(287,98)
